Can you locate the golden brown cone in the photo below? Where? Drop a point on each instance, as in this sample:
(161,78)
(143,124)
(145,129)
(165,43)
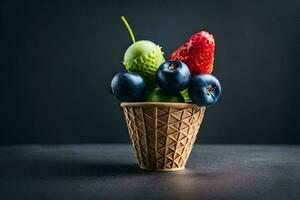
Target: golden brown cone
(162,134)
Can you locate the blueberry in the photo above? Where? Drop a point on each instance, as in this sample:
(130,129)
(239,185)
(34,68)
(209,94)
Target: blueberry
(173,76)
(204,89)
(128,87)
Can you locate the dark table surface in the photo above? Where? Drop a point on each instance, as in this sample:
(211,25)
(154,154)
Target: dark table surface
(110,172)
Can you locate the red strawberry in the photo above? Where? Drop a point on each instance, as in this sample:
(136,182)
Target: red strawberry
(197,52)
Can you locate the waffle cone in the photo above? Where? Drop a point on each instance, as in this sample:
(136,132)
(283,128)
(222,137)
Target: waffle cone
(162,134)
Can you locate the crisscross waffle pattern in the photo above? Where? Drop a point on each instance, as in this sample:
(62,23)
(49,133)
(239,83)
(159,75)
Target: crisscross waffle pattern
(163,134)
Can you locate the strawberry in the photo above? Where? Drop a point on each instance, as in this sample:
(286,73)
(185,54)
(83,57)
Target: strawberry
(197,52)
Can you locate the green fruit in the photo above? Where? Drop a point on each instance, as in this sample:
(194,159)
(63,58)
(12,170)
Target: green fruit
(158,95)
(185,95)
(143,57)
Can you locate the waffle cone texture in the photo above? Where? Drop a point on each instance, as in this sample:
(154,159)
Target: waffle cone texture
(162,134)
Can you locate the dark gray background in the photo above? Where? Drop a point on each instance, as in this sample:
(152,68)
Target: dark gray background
(57,60)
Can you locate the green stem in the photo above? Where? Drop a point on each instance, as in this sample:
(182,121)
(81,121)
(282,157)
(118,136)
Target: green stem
(128,28)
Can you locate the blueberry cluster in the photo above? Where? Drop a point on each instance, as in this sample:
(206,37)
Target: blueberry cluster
(171,78)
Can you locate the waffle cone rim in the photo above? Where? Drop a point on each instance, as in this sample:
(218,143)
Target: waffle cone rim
(158,104)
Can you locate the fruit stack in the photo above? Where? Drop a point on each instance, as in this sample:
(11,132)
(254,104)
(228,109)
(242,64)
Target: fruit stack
(164,100)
